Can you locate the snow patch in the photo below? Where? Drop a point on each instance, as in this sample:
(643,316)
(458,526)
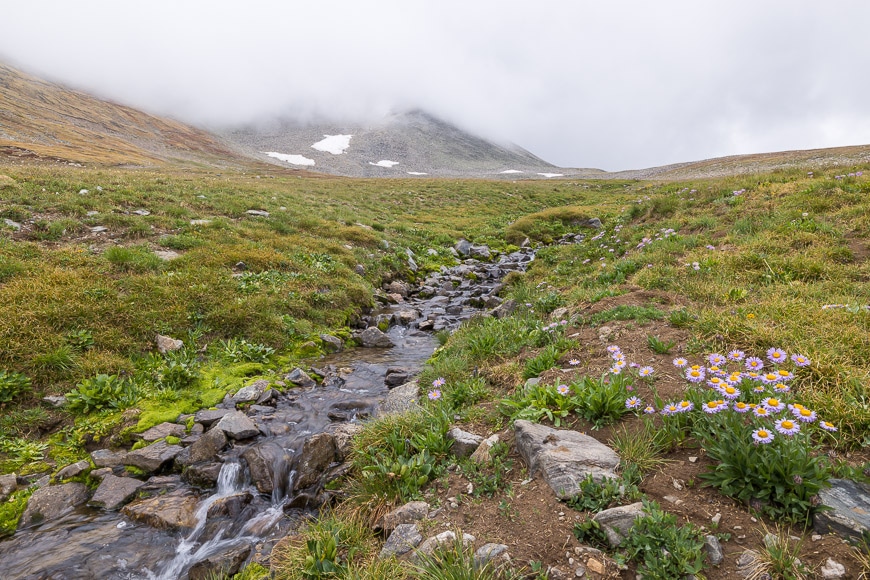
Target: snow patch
(552,174)
(416,173)
(511,171)
(384,163)
(335,144)
(289,158)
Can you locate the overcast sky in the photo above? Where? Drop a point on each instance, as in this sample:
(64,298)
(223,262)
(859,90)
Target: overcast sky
(607,84)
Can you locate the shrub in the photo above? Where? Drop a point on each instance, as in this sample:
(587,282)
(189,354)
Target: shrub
(662,549)
(240,350)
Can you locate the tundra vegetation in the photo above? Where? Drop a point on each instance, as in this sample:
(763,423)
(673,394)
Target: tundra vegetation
(755,265)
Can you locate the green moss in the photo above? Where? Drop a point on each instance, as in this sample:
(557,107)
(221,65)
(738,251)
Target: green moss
(171,440)
(11,510)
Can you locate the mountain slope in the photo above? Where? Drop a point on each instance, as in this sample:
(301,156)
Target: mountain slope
(413,142)
(39,118)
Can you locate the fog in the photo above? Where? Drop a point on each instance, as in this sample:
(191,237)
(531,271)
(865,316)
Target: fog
(616,85)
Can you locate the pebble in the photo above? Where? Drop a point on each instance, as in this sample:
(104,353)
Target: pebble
(693,459)
(815,537)
(716,519)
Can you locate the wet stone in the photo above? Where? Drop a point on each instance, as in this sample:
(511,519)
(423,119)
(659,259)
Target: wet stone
(317,453)
(238,426)
(153,457)
(73,469)
(208,417)
(374,338)
(107,458)
(224,564)
(114,492)
(251,392)
(171,511)
(203,474)
(51,502)
(262,460)
(331,343)
(300,378)
(402,540)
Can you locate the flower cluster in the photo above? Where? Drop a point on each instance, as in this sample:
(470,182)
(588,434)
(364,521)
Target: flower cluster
(435,393)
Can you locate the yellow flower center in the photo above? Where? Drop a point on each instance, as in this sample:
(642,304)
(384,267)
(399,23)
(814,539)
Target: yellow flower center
(684,404)
(763,434)
(713,404)
(761,411)
(713,369)
(695,374)
(772,403)
(770,377)
(806,412)
(695,367)
(741,405)
(787,425)
(783,373)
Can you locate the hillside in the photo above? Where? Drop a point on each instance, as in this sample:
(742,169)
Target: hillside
(412,143)
(39,119)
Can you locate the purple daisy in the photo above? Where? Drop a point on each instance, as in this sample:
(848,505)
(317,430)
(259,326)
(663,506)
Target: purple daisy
(434,394)
(563,390)
(736,355)
(716,359)
(787,427)
(645,371)
(741,407)
(827,426)
(754,363)
(695,375)
(439,382)
(762,436)
(713,407)
(803,414)
(680,362)
(649,410)
(777,355)
(633,403)
(773,405)
(800,360)
(670,409)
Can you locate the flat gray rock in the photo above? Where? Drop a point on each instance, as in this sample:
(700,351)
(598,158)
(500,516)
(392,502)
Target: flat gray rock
(849,515)
(162,431)
(400,399)
(252,392)
(8,485)
(51,502)
(404,538)
(209,416)
(464,443)
(617,522)
(173,511)
(114,492)
(207,447)
(564,458)
(236,425)
(73,470)
(153,457)
(299,378)
(107,458)
(374,338)
(409,513)
(496,555)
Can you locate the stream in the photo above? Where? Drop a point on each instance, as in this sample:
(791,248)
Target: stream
(236,521)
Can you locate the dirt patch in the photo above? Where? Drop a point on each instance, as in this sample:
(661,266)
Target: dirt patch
(858,246)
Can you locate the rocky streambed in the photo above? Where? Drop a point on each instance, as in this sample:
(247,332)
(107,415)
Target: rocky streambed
(223,492)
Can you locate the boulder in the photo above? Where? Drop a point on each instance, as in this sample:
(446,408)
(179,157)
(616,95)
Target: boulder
(564,458)
(464,443)
(462,247)
(713,549)
(257,212)
(331,343)
(204,474)
(317,453)
(617,522)
(209,416)
(252,392)
(404,538)
(114,492)
(405,317)
(162,431)
(398,287)
(223,564)
(505,309)
(51,502)
(167,344)
(267,461)
(73,469)
(833,570)
(444,540)
(107,458)
(344,434)
(299,378)
(480,252)
(409,513)
(8,485)
(207,447)
(400,399)
(172,511)
(374,338)
(396,377)
(229,505)
(236,425)
(482,453)
(849,515)
(496,555)
(153,457)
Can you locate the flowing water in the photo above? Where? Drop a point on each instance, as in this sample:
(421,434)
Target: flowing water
(234,517)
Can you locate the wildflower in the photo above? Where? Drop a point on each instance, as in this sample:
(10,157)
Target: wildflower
(620,363)
(797,479)
(715,382)
(618,357)
(695,375)
(670,409)
(649,410)
(645,371)
(696,266)
(769,378)
(633,403)
(773,405)
(434,394)
(741,407)
(730,392)
(710,247)
(716,359)
(713,407)
(800,360)
(804,414)
(615,369)
(750,316)
(760,411)
(777,355)
(784,375)
(827,426)
(714,370)
(758,389)
(573,362)
(752,376)
(613,349)
(781,388)
(736,355)
(734,378)
(439,382)
(680,362)
(787,427)
(754,363)
(685,406)
(762,436)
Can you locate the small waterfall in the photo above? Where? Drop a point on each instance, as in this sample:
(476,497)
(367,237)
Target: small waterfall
(230,481)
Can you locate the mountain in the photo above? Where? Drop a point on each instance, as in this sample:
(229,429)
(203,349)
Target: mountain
(412,142)
(39,119)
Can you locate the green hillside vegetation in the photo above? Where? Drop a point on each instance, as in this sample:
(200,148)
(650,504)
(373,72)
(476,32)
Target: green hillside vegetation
(757,262)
